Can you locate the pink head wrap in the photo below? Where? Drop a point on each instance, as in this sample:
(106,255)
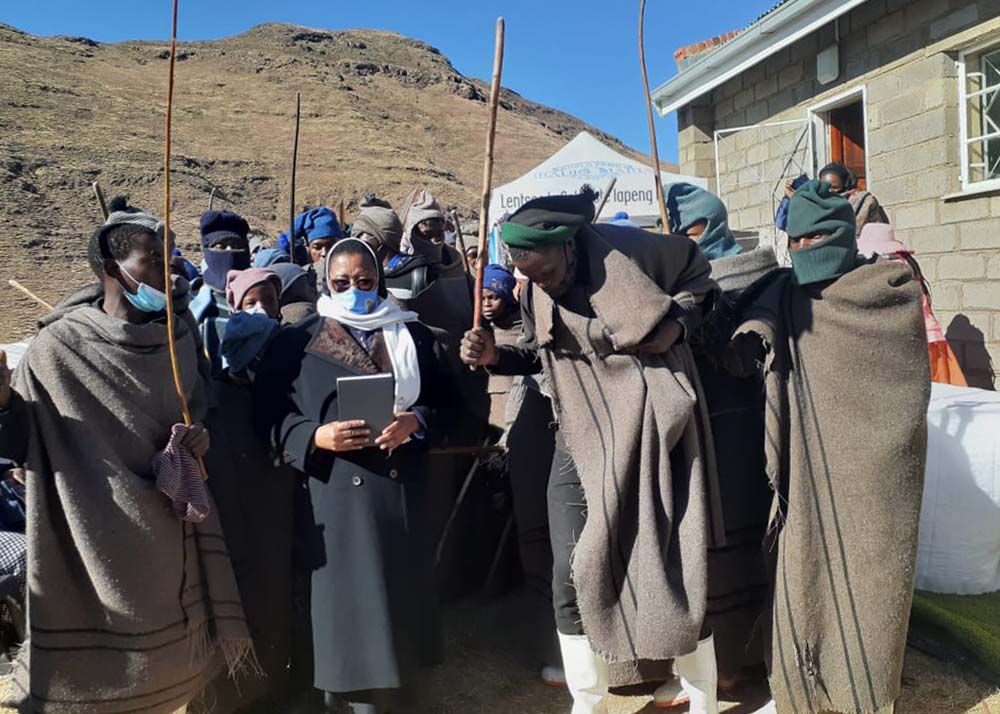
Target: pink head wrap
(238,282)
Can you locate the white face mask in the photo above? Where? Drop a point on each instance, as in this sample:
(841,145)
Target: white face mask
(257,309)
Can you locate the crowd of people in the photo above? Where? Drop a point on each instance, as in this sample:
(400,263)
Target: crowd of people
(699,469)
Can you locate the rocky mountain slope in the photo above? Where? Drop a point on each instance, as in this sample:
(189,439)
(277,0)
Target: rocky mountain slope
(380,112)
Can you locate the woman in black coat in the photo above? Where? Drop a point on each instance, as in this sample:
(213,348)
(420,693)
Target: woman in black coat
(373,610)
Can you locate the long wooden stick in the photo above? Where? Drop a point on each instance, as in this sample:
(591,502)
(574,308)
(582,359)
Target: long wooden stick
(465,260)
(171,327)
(17,286)
(460,240)
(341,214)
(484,209)
(657,179)
(99,194)
(295,162)
(607,195)
(211,199)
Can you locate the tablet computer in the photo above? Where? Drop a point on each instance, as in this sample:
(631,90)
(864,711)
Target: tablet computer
(368,398)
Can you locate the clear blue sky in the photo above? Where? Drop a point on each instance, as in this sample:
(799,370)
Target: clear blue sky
(576,55)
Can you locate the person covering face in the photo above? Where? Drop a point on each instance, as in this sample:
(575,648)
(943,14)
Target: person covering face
(821,234)
(702,217)
(225,246)
(841,345)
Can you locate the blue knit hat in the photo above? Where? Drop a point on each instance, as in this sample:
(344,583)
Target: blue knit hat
(266,257)
(317,224)
(219,225)
(501,281)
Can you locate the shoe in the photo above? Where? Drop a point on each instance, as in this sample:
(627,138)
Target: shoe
(586,675)
(700,678)
(553,676)
(670,694)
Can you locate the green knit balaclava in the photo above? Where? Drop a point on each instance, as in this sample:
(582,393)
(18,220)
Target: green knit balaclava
(688,204)
(814,208)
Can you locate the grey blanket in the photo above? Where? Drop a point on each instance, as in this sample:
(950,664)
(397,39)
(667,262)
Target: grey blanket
(636,435)
(130,608)
(847,385)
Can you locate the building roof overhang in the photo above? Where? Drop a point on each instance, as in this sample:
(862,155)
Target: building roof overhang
(787,23)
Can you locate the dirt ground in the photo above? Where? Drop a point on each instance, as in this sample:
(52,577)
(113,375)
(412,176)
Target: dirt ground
(486,673)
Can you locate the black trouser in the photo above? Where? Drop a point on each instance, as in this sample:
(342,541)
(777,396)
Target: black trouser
(567,516)
(530,445)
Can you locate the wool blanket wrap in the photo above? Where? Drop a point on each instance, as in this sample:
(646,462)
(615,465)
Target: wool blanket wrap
(847,385)
(631,424)
(737,571)
(130,608)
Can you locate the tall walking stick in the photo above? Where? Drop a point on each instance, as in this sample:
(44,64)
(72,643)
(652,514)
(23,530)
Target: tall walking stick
(99,195)
(465,259)
(295,161)
(171,319)
(460,239)
(484,209)
(657,179)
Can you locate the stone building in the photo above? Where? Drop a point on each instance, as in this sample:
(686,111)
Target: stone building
(905,92)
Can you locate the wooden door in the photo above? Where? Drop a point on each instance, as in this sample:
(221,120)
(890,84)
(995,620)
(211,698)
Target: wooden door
(847,139)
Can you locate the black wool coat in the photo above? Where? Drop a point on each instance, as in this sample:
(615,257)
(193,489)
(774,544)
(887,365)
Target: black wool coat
(374,618)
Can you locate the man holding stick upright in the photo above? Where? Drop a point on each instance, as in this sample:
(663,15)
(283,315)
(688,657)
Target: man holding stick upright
(606,316)
(132,600)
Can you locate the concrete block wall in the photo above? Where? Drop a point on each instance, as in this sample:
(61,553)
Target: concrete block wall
(913,152)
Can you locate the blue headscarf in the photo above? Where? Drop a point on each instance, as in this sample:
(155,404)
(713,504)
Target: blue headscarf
(501,281)
(688,204)
(317,224)
(267,257)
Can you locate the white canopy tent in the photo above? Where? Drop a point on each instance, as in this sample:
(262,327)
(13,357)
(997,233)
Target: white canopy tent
(587,160)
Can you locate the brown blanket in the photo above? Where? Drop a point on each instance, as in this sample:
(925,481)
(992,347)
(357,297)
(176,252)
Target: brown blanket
(632,426)
(847,385)
(130,608)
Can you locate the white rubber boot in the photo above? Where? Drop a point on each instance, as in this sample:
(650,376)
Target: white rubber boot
(586,675)
(700,678)
(670,694)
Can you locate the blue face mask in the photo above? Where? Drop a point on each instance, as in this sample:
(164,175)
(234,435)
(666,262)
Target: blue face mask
(360,302)
(146,298)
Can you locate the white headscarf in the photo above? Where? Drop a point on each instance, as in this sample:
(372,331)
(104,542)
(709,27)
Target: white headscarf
(391,319)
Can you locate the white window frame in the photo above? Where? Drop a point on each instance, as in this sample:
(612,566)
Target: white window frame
(963,120)
(819,122)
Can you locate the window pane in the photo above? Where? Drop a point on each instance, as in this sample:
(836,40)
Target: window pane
(982,115)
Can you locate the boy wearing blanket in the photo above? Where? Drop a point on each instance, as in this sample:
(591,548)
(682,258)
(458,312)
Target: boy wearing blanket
(132,603)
